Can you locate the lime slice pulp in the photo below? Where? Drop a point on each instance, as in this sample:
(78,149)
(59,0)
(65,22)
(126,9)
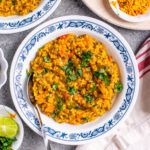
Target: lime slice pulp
(8,127)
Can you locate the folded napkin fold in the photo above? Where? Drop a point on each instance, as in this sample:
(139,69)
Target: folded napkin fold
(134,133)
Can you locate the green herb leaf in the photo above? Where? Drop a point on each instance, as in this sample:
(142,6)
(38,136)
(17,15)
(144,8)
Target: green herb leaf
(72,90)
(59,104)
(59,107)
(70,63)
(46,70)
(69,67)
(72,77)
(102,70)
(84,64)
(86,57)
(6,143)
(69,71)
(96,74)
(46,59)
(118,87)
(93,88)
(79,72)
(102,76)
(64,68)
(55,86)
(88,98)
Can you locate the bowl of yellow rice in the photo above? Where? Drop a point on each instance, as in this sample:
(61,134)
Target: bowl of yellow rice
(84,75)
(131,10)
(21,15)
(74,79)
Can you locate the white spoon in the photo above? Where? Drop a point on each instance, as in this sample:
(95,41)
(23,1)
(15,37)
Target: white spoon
(38,111)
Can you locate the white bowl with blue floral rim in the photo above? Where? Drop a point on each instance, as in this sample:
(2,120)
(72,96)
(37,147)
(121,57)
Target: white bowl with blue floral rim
(3,69)
(117,47)
(8,112)
(14,24)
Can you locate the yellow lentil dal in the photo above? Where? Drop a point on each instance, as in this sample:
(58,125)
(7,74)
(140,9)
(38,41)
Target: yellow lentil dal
(74,79)
(134,7)
(17,7)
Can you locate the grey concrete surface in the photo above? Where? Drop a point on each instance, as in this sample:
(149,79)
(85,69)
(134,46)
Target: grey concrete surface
(9,44)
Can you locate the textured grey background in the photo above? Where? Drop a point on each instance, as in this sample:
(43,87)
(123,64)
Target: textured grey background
(9,44)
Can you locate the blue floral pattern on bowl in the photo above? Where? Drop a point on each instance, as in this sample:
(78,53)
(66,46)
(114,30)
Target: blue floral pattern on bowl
(126,58)
(24,23)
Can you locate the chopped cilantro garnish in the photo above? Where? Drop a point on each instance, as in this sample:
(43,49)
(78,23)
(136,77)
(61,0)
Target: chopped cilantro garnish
(6,143)
(93,88)
(59,104)
(96,74)
(64,68)
(79,72)
(72,90)
(88,98)
(84,64)
(55,86)
(46,70)
(118,87)
(46,59)
(58,107)
(102,75)
(69,66)
(70,63)
(69,71)
(85,57)
(72,77)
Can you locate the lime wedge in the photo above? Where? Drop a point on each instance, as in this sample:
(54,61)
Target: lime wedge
(8,127)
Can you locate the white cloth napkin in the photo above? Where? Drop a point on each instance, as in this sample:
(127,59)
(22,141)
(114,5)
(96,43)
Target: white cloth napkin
(134,134)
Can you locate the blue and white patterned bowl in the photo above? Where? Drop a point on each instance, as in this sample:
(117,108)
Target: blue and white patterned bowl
(117,47)
(16,24)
